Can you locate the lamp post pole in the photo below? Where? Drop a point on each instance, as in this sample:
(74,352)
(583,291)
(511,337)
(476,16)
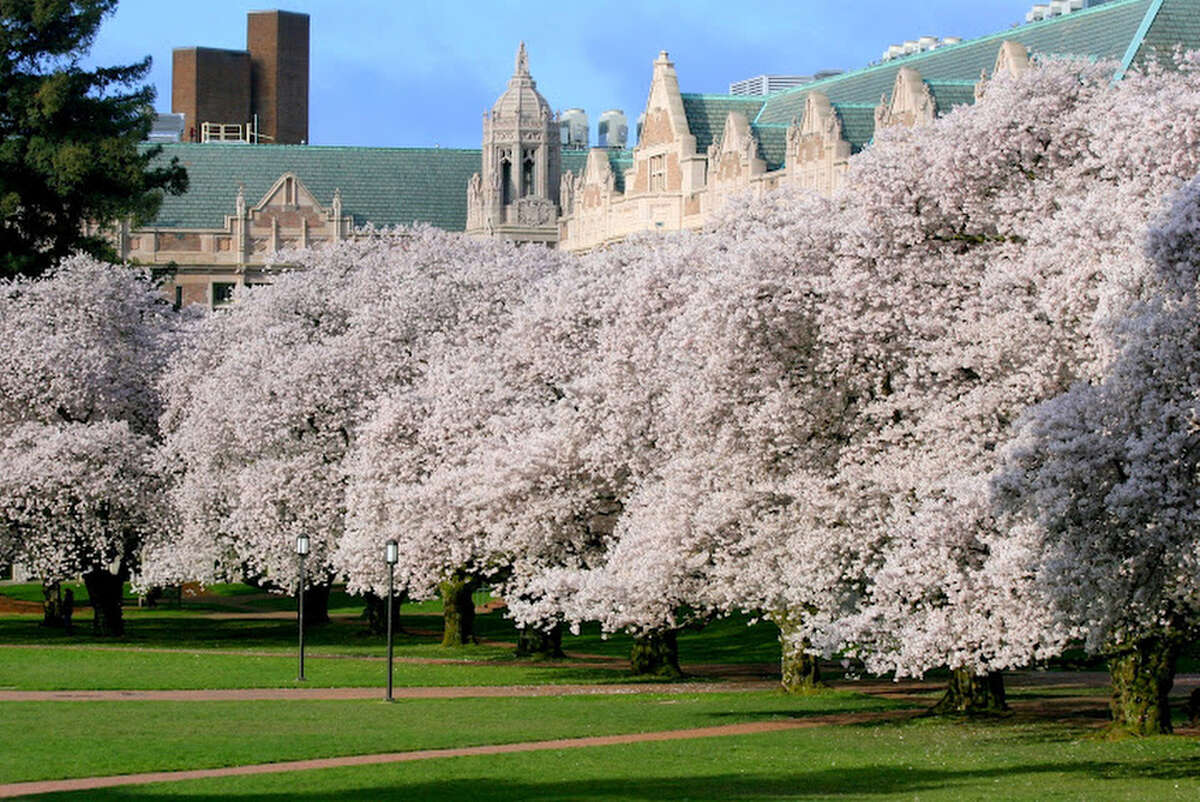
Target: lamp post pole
(392,555)
(302,547)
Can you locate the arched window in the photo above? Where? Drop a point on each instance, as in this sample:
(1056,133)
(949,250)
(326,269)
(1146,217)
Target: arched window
(527,162)
(506,178)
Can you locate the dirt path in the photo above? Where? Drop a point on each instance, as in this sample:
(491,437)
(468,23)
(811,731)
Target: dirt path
(89,783)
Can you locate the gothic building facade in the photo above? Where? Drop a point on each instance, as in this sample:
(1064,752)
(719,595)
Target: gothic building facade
(515,194)
(695,151)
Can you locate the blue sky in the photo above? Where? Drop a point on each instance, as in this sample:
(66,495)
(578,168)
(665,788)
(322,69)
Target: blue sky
(419,74)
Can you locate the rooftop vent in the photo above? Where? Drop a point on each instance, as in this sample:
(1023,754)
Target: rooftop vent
(767,84)
(573,126)
(919,46)
(166,128)
(1057,8)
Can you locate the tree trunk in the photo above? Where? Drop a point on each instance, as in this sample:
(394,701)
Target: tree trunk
(1142,676)
(458,610)
(376,613)
(972,694)
(800,670)
(52,605)
(657,654)
(316,604)
(104,590)
(541,644)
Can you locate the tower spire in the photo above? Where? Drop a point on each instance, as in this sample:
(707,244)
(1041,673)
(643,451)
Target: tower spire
(522,67)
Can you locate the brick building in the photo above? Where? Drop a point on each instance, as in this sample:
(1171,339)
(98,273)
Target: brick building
(259,94)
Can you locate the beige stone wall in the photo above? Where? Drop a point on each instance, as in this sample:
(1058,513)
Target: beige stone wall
(286,217)
(671,187)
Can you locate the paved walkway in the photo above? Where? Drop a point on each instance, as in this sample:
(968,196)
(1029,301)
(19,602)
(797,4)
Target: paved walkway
(90,783)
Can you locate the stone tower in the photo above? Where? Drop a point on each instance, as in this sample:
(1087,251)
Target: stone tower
(516,195)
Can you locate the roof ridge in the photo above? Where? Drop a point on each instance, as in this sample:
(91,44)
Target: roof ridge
(912,57)
(714,96)
(1138,38)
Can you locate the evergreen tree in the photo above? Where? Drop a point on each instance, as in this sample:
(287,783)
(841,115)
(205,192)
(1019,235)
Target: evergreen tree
(69,154)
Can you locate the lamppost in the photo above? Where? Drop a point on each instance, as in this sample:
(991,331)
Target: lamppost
(392,556)
(302,547)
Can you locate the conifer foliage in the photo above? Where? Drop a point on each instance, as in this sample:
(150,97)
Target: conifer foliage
(69,155)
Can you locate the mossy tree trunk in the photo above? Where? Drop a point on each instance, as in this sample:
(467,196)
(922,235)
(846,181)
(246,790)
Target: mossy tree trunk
(458,610)
(104,591)
(316,604)
(376,613)
(800,670)
(656,654)
(1142,675)
(542,644)
(972,694)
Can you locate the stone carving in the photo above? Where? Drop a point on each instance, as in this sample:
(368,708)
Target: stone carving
(1012,58)
(522,64)
(534,212)
(911,102)
(566,192)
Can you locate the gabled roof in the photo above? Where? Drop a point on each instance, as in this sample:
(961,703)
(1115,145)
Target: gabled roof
(400,186)
(382,186)
(1103,32)
(619,160)
(706,115)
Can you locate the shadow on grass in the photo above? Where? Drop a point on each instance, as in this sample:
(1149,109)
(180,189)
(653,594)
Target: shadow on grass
(866,781)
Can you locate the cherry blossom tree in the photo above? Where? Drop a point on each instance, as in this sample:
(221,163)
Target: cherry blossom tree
(993,246)
(78,418)
(1103,478)
(707,392)
(263,410)
(456,467)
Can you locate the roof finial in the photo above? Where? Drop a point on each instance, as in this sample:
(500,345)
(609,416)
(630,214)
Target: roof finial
(522,67)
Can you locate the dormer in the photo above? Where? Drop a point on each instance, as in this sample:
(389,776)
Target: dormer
(911,103)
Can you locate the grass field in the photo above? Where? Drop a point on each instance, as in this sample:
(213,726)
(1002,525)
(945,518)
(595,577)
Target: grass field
(215,641)
(100,738)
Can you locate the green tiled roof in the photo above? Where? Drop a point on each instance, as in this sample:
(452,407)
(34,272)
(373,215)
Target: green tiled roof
(1103,31)
(381,186)
(619,160)
(1175,21)
(858,123)
(772,144)
(706,115)
(400,186)
(948,94)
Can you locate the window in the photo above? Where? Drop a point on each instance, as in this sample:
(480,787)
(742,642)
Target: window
(222,293)
(506,178)
(658,173)
(527,172)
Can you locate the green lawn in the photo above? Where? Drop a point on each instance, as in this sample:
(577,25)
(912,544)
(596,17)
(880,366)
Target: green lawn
(266,653)
(47,740)
(926,760)
(168,648)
